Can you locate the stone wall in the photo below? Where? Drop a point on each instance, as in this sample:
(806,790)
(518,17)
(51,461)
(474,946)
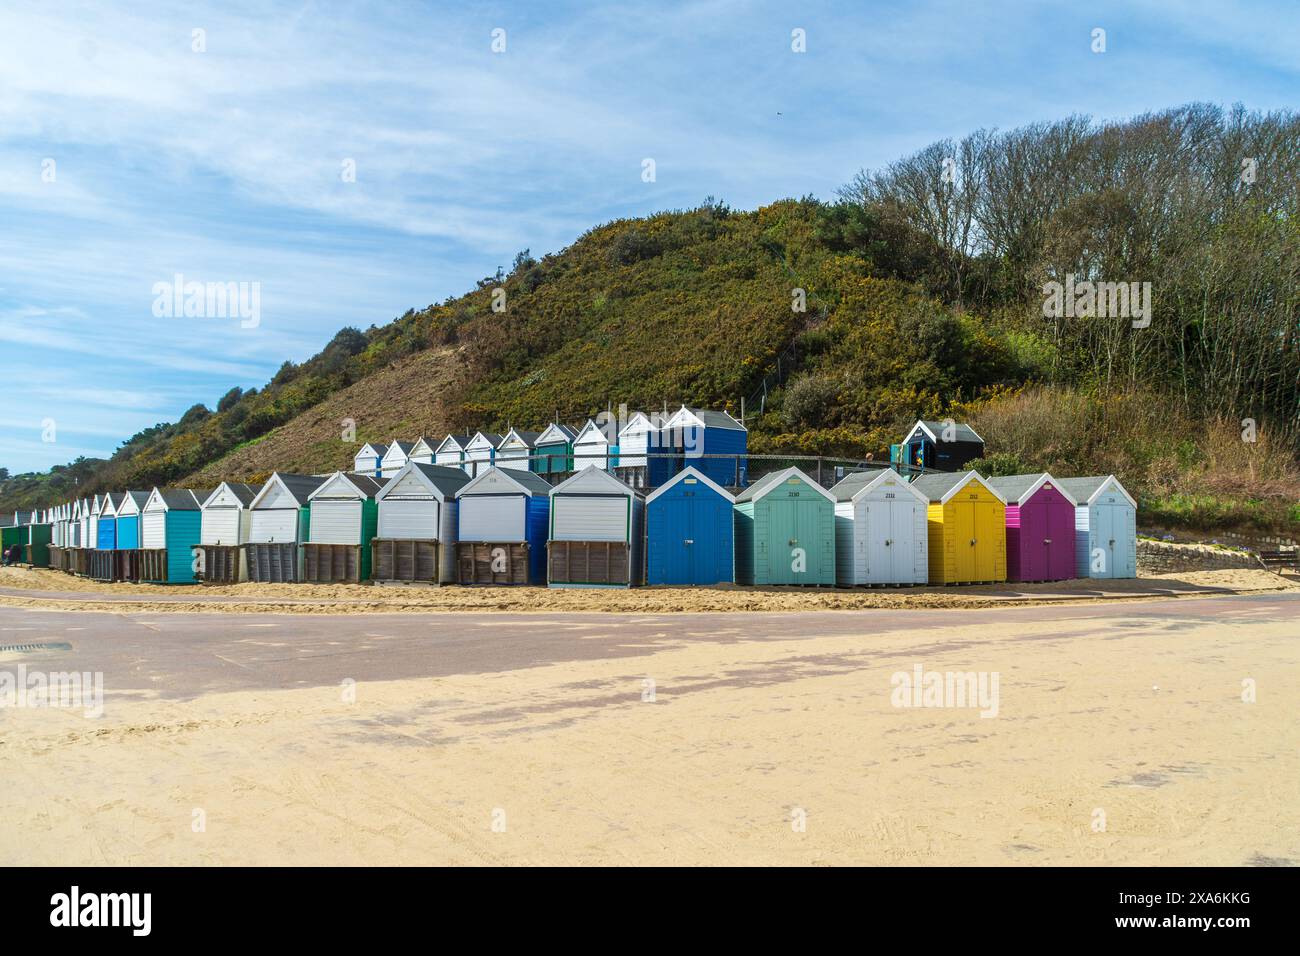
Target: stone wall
(1165,557)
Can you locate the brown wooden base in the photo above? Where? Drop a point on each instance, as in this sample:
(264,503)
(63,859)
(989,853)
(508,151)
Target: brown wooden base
(589,562)
(272,563)
(404,559)
(331,563)
(480,562)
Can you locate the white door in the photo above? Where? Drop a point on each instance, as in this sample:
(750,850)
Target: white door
(498,518)
(335,521)
(153,529)
(220,526)
(589,519)
(278,525)
(409,518)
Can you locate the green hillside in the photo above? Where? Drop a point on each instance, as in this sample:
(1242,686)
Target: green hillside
(923,285)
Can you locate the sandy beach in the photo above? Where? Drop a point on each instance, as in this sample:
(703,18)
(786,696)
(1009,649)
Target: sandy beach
(662,739)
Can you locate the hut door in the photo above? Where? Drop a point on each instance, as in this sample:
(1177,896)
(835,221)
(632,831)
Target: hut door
(881,545)
(964,541)
(1060,553)
(1110,526)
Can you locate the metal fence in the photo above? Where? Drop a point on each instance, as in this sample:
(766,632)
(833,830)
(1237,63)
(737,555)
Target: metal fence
(734,471)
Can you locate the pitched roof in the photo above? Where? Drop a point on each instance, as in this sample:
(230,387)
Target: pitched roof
(592,475)
(564,432)
(300,487)
(528,438)
(1017,489)
(528,481)
(492,438)
(403,446)
(244,493)
(961,432)
(1083,490)
(773,478)
(852,485)
(445,478)
(460,441)
(690,472)
(941,485)
(711,418)
(182,499)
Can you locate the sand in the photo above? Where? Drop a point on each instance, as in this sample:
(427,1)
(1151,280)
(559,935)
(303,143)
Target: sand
(1139,722)
(84,594)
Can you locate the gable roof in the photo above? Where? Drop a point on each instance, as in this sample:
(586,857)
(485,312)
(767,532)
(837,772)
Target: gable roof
(690,472)
(298,487)
(379,450)
(177,499)
(636,423)
(595,477)
(443,480)
(939,486)
(770,481)
(244,493)
(555,433)
(591,426)
(135,498)
(1017,489)
(527,439)
(860,483)
(961,432)
(421,443)
(706,417)
(366,486)
(399,446)
(1084,490)
(527,482)
(459,441)
(492,438)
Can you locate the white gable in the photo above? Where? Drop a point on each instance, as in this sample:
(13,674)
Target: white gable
(1111,486)
(394,455)
(449,444)
(336,486)
(690,473)
(592,480)
(129,506)
(553,435)
(888,482)
(638,424)
(274,495)
(494,481)
(591,434)
(480,442)
(155,502)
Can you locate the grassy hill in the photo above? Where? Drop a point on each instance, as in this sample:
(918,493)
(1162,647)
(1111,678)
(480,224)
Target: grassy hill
(920,297)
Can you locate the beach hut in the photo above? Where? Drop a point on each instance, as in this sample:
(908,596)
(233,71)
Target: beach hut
(1040,527)
(277,527)
(942,446)
(84,540)
(225,521)
(128,535)
(1105,527)
(591,446)
(554,450)
(516,449)
(785,531)
(12,534)
(596,532)
(690,531)
(170,526)
(36,544)
(633,441)
(91,536)
(880,530)
(423,452)
(701,433)
(481,452)
(395,458)
(504,521)
(344,518)
(101,562)
(416,530)
(967,528)
(74,524)
(451,451)
(369,460)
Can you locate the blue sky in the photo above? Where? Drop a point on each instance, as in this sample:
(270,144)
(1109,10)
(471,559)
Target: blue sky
(225,165)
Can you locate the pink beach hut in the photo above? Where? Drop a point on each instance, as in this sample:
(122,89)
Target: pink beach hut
(1040,527)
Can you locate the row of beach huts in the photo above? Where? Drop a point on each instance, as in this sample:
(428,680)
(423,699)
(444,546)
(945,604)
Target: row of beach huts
(500,520)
